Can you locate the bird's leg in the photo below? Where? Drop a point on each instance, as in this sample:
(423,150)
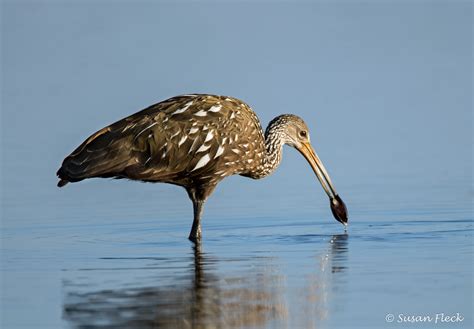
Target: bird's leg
(195,234)
(199,193)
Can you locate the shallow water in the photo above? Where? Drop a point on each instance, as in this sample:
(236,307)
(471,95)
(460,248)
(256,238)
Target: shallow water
(101,264)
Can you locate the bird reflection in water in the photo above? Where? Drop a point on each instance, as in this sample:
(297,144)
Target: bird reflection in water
(339,252)
(207,299)
(317,291)
(234,301)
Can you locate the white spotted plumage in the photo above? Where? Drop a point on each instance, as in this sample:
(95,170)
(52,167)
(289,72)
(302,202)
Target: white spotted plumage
(175,134)
(220,150)
(143,130)
(186,106)
(209,136)
(203,148)
(205,128)
(182,140)
(201,113)
(215,108)
(202,162)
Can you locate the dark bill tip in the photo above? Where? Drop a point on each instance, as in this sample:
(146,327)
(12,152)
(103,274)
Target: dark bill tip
(339,210)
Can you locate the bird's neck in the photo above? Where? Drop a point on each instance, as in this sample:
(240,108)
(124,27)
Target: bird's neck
(274,142)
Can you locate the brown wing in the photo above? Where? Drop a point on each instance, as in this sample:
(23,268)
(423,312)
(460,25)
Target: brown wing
(183,138)
(200,137)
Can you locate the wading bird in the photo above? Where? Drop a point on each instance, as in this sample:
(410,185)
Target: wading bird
(194,141)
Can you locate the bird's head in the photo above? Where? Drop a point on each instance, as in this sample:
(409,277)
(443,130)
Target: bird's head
(293,131)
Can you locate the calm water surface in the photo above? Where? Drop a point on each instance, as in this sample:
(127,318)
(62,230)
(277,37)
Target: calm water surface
(105,261)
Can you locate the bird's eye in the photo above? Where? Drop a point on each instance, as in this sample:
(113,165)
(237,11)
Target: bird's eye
(303,134)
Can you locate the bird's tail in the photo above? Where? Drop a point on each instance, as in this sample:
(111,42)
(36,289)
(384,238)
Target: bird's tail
(101,155)
(62,182)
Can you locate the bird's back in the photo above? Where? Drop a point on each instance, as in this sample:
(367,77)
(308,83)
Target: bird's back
(180,140)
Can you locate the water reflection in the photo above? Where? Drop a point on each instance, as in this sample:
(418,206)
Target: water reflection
(237,299)
(321,283)
(253,295)
(339,252)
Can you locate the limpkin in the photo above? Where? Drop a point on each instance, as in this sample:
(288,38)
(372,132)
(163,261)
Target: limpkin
(194,141)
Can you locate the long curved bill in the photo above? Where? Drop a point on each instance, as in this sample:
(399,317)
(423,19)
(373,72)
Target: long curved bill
(337,205)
